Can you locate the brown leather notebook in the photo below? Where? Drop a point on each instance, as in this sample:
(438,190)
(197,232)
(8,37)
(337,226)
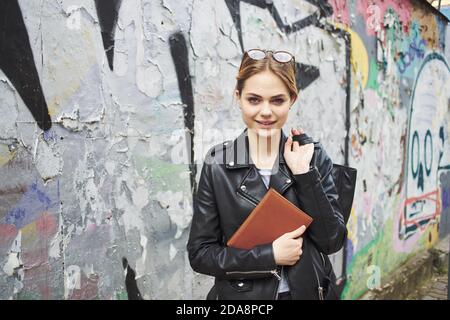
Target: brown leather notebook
(272,217)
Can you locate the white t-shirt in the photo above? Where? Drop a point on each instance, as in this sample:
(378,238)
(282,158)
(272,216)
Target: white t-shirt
(265,175)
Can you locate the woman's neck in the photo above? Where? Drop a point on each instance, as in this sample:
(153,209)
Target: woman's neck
(264,149)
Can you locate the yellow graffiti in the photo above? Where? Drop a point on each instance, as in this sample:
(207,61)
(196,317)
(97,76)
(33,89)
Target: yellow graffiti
(432,232)
(432,235)
(29,234)
(5,155)
(358,57)
(352,227)
(428,27)
(75,74)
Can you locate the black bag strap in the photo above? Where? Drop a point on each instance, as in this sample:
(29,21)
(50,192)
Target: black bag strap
(302,139)
(344,178)
(305,139)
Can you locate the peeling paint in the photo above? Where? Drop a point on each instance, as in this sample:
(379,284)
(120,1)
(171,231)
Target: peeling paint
(48,160)
(14,261)
(178,208)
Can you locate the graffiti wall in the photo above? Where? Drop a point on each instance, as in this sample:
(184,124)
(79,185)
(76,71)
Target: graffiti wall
(108,108)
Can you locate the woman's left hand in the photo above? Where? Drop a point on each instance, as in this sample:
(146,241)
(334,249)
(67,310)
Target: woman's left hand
(299,158)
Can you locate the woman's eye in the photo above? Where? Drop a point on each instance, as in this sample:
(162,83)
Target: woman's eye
(253,100)
(278,101)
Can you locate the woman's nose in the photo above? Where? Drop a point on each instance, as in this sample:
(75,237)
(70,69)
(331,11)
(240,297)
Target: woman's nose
(266,109)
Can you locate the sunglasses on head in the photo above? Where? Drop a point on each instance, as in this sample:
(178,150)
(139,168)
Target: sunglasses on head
(280,56)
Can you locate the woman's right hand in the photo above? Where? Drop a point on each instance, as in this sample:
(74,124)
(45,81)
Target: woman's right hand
(287,249)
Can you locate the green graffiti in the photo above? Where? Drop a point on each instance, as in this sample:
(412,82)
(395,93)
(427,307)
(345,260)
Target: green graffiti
(372,82)
(121,295)
(356,283)
(378,252)
(163,175)
(28,295)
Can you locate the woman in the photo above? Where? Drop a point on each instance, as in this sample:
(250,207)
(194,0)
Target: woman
(236,175)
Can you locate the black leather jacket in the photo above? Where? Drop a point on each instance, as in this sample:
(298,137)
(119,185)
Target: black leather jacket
(229,188)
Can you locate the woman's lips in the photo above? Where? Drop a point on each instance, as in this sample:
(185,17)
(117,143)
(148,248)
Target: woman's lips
(266,124)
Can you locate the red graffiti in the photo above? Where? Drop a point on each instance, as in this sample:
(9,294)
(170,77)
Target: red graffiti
(420,220)
(340,11)
(7,233)
(88,288)
(46,225)
(374,11)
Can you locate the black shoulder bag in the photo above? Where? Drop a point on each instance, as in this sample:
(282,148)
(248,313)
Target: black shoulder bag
(344,178)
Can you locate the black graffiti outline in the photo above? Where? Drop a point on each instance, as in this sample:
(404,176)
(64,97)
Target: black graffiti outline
(130,282)
(415,141)
(108,13)
(180,57)
(428,137)
(17,62)
(17,59)
(441,153)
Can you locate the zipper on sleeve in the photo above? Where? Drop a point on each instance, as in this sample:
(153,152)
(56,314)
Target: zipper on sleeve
(319,287)
(323,259)
(274,272)
(278,276)
(321,293)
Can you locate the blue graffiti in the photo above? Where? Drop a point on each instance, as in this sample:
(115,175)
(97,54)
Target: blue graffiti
(415,50)
(41,196)
(50,135)
(33,202)
(15,215)
(445,198)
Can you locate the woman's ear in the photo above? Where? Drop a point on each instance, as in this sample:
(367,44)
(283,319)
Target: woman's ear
(237,95)
(238,98)
(293,99)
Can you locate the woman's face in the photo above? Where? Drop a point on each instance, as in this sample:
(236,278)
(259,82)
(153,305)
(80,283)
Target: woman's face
(265,103)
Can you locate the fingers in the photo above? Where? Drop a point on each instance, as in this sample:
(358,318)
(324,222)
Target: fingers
(301,230)
(296,256)
(295,132)
(288,144)
(291,145)
(299,250)
(298,247)
(287,251)
(296,146)
(296,233)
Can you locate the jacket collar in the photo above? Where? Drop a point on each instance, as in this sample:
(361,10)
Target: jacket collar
(252,187)
(238,152)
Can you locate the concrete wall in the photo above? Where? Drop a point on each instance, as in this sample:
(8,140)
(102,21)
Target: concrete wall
(109,107)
